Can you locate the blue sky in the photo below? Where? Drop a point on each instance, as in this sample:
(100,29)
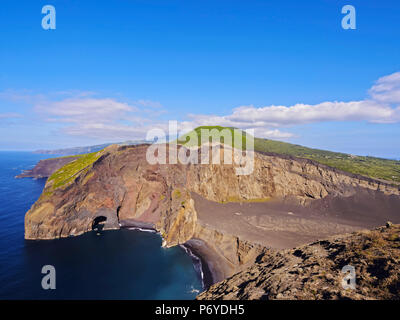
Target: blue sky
(113,70)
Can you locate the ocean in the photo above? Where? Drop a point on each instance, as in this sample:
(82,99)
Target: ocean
(117,264)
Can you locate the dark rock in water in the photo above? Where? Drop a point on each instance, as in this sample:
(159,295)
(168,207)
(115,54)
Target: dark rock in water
(44,168)
(87,149)
(285,202)
(122,264)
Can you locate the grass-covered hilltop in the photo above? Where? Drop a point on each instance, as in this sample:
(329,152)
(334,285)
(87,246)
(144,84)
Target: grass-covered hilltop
(373,167)
(378,168)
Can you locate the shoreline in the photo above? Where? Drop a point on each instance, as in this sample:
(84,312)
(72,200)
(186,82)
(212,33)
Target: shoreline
(211,269)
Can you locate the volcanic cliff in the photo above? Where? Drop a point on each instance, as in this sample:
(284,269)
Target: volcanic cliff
(44,168)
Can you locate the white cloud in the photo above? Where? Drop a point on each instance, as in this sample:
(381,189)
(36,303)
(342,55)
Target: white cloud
(276,116)
(101,118)
(272,134)
(107,131)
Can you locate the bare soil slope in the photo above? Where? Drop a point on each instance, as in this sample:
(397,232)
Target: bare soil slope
(314,271)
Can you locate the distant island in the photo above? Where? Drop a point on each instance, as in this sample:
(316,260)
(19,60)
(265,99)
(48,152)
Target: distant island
(387,170)
(236,224)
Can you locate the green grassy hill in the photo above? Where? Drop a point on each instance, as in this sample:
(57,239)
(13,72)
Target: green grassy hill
(238,135)
(373,167)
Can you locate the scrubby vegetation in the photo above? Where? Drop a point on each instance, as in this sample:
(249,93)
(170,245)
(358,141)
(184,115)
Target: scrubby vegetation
(237,199)
(67,173)
(373,167)
(216,133)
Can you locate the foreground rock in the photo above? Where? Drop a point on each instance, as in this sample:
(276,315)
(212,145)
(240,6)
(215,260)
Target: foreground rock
(314,271)
(228,219)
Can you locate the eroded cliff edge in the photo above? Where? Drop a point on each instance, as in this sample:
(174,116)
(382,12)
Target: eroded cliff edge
(232,219)
(44,168)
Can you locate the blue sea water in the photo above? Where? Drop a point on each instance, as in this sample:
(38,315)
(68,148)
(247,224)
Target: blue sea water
(118,264)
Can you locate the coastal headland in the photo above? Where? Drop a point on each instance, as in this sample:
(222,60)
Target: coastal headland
(230,221)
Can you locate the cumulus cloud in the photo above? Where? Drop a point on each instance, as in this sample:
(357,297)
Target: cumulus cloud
(149,103)
(276,116)
(10,115)
(86,109)
(102,118)
(108,131)
(387,89)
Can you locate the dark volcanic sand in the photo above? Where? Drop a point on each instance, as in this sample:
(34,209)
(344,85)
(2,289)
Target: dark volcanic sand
(284,224)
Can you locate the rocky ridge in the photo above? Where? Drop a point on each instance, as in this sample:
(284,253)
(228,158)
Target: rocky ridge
(314,271)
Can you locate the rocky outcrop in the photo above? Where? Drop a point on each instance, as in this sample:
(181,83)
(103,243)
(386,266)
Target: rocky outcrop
(44,168)
(314,271)
(121,187)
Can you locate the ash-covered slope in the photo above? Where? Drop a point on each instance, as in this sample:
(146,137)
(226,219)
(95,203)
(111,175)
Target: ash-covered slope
(314,271)
(289,201)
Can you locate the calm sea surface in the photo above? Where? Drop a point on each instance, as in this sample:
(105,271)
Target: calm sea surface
(120,264)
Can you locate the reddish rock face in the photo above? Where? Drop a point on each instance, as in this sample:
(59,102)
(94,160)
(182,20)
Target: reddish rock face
(314,271)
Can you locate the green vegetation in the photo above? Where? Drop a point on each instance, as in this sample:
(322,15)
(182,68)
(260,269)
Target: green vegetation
(67,173)
(69,156)
(378,168)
